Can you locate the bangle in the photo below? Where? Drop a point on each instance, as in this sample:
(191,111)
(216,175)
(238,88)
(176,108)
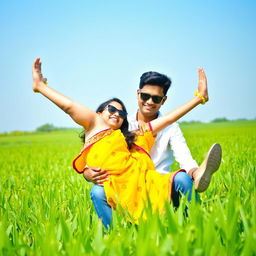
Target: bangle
(45,81)
(197,93)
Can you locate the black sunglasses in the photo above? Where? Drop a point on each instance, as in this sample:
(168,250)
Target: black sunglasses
(112,110)
(155,98)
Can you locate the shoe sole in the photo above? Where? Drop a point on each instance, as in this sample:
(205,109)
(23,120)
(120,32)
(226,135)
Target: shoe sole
(212,164)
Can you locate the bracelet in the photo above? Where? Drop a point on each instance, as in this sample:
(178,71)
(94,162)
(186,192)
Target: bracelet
(45,81)
(197,93)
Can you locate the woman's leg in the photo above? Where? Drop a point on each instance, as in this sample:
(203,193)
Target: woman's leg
(101,206)
(182,184)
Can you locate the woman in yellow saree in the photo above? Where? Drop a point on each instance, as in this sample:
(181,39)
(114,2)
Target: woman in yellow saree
(133,180)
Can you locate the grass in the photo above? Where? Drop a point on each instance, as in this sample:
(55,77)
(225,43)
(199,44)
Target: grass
(45,207)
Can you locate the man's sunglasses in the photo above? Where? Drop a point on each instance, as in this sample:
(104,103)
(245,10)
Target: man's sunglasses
(155,98)
(112,110)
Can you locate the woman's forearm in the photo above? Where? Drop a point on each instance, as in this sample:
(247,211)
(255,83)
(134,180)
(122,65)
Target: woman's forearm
(79,113)
(162,122)
(202,97)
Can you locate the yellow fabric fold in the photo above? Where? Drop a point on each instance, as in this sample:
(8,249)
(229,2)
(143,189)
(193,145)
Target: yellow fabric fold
(133,180)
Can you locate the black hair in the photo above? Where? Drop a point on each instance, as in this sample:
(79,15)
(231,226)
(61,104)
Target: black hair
(155,78)
(129,136)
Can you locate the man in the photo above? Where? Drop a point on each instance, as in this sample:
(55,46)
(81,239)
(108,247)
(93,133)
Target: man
(168,145)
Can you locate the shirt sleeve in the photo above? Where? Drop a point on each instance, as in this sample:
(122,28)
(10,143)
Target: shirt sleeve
(180,149)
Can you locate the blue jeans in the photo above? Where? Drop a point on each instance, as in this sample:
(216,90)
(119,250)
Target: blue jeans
(182,183)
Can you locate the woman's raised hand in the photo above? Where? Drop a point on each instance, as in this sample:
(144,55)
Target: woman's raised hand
(202,84)
(38,79)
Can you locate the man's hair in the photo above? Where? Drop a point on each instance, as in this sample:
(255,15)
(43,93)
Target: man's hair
(155,78)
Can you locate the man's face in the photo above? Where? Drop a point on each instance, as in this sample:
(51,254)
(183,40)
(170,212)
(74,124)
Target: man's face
(149,108)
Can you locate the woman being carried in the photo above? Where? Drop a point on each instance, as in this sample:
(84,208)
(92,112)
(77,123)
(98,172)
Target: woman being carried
(133,181)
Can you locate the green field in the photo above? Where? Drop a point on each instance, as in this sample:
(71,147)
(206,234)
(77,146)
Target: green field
(45,206)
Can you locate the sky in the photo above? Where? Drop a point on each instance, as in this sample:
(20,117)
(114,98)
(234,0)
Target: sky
(95,50)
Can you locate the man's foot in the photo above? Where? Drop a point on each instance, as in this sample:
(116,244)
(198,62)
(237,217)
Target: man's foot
(202,175)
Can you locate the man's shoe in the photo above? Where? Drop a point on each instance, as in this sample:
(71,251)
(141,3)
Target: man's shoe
(202,176)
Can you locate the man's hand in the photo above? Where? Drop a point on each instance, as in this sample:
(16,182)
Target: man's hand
(95,175)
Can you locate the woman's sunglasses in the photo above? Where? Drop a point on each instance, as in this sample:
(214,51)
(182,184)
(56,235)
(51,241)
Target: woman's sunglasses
(155,98)
(112,110)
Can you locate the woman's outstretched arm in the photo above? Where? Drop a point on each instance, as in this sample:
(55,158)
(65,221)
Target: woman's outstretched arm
(79,113)
(162,122)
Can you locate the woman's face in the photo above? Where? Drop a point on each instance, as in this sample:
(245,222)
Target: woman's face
(111,115)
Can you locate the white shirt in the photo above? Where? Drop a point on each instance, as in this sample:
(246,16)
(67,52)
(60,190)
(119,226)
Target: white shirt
(169,144)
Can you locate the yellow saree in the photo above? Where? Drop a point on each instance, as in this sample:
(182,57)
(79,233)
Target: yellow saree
(133,179)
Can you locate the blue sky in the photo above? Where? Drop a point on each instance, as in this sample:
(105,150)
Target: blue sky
(94,50)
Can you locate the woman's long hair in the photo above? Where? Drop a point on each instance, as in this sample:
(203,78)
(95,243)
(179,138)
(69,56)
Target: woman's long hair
(129,136)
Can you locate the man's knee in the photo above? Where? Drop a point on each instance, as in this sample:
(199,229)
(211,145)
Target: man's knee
(183,181)
(98,193)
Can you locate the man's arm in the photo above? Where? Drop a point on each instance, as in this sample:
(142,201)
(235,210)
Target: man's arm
(95,175)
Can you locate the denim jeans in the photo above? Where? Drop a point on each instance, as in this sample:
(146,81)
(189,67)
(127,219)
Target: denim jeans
(182,183)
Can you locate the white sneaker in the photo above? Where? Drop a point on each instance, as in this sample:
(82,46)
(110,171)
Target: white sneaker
(202,176)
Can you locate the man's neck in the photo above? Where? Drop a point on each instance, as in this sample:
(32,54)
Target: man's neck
(145,119)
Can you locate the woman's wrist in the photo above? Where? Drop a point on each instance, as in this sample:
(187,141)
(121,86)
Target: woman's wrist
(200,97)
(38,86)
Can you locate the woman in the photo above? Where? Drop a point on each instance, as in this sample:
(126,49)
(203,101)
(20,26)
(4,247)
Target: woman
(133,181)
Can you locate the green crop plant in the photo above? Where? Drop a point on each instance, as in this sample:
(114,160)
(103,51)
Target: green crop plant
(45,206)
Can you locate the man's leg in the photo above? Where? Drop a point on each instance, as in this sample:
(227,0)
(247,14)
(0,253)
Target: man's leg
(202,175)
(182,184)
(101,206)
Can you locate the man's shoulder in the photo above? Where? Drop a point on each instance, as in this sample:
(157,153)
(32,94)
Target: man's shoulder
(170,131)
(170,128)
(132,117)
(132,120)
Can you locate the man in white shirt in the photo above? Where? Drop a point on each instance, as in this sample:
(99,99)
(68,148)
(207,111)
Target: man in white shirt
(170,144)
